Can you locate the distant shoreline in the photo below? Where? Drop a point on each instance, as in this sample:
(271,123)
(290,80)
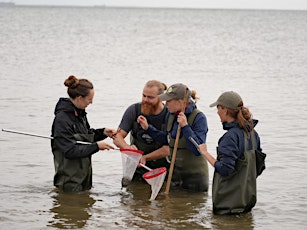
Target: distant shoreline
(7,4)
(12,4)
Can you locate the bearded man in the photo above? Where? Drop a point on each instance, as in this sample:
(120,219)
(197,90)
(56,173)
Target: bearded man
(155,112)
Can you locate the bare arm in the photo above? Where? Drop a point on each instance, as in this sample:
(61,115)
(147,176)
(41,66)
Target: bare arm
(203,150)
(104,146)
(119,140)
(109,132)
(157,154)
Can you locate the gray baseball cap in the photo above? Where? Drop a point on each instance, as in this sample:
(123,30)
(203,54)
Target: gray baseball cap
(176,91)
(229,99)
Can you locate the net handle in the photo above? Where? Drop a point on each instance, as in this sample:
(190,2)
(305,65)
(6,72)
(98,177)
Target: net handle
(144,166)
(194,142)
(41,136)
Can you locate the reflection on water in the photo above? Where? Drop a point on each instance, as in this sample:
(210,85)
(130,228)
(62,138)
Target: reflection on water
(71,210)
(243,221)
(179,209)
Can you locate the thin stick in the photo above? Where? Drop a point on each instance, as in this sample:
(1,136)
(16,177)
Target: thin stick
(28,134)
(41,136)
(51,138)
(171,169)
(194,142)
(144,166)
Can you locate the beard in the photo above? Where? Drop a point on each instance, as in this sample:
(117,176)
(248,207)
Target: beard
(149,109)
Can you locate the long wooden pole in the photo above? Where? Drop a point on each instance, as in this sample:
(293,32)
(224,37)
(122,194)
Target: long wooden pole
(171,169)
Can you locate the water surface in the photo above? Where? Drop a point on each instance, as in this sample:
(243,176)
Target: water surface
(260,54)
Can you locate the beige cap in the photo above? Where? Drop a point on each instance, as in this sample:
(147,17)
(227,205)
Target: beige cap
(230,100)
(176,91)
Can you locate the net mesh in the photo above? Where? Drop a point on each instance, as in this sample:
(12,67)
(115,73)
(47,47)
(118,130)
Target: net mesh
(155,178)
(130,160)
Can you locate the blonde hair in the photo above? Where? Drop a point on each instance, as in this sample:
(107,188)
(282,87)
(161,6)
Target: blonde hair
(194,96)
(155,83)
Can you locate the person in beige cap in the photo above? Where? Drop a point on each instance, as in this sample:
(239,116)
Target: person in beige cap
(191,168)
(234,181)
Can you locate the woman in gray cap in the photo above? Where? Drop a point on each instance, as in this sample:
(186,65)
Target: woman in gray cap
(191,168)
(234,181)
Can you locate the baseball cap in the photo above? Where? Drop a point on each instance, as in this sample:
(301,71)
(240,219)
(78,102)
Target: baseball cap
(229,99)
(176,91)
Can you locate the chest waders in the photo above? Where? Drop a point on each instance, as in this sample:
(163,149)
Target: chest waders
(236,193)
(74,175)
(190,171)
(147,147)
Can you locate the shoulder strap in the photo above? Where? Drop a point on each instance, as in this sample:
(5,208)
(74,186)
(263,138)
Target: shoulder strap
(252,135)
(137,108)
(192,116)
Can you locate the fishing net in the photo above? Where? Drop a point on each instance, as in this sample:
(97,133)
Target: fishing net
(155,178)
(130,160)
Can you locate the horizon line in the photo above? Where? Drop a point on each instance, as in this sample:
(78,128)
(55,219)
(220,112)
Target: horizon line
(12,4)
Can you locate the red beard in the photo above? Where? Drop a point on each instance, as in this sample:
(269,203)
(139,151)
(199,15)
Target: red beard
(149,109)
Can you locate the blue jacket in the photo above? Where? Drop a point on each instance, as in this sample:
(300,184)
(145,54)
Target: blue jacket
(198,131)
(231,147)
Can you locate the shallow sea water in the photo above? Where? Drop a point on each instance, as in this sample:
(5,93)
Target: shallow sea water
(260,54)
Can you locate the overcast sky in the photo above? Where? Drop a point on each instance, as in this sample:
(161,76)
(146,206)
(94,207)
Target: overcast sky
(224,4)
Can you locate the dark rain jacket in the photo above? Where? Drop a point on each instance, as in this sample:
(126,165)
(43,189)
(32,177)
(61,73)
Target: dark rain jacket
(198,130)
(234,188)
(231,147)
(72,161)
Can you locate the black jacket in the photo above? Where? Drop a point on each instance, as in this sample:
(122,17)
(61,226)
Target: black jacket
(72,161)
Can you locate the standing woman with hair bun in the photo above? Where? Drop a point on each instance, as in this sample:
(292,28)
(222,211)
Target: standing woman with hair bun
(72,161)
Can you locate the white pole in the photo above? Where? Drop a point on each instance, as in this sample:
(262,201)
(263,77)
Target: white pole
(144,166)
(49,137)
(36,135)
(194,142)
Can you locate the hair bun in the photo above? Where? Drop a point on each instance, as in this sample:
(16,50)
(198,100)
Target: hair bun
(71,82)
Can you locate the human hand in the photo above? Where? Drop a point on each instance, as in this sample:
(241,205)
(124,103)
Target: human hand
(182,119)
(109,132)
(142,161)
(103,145)
(125,146)
(120,142)
(203,150)
(143,122)
(133,147)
